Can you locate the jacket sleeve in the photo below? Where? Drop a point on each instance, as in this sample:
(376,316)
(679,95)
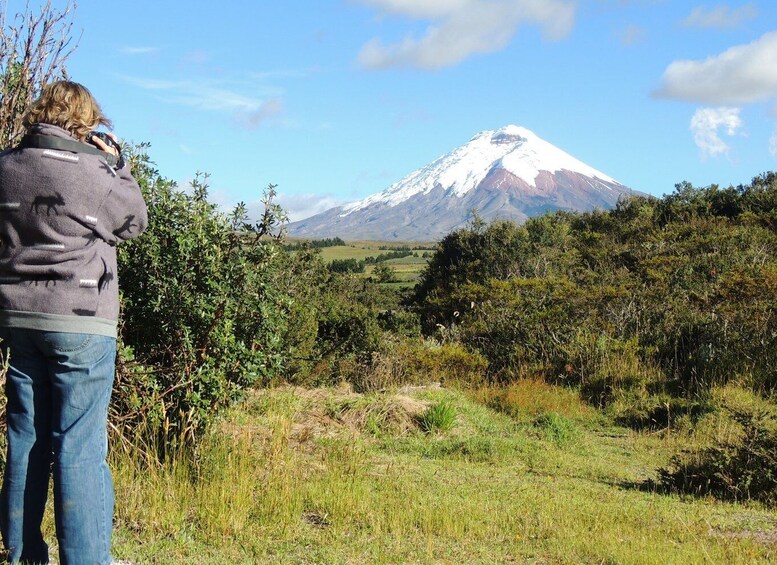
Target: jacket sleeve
(123,211)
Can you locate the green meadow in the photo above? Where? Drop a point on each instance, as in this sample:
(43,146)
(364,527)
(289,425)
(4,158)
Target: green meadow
(407,269)
(327,475)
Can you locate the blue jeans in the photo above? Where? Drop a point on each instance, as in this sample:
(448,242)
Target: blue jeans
(58,388)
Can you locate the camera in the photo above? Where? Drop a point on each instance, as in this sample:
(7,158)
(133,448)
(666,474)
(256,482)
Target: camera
(109,141)
(104,137)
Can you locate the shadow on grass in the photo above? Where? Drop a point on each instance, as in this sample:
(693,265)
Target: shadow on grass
(664,416)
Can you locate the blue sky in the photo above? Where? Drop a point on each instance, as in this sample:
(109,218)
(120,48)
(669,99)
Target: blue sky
(336,99)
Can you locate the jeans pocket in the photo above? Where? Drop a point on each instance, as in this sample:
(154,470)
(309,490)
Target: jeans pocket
(67,342)
(81,368)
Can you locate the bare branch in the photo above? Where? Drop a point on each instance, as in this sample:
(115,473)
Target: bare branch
(33,50)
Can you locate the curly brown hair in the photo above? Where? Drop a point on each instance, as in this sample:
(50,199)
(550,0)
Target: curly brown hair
(68,105)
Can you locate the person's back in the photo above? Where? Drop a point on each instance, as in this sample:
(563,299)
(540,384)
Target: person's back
(60,215)
(63,208)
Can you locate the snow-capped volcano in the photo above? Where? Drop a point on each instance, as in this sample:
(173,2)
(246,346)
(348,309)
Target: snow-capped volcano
(513,149)
(508,173)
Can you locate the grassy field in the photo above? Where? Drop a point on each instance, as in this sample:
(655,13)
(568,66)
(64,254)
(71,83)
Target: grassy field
(407,269)
(330,476)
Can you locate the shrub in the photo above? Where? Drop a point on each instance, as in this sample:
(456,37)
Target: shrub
(346,266)
(519,322)
(533,397)
(200,317)
(605,368)
(401,361)
(341,319)
(742,467)
(384,273)
(452,363)
(400,322)
(656,296)
(642,410)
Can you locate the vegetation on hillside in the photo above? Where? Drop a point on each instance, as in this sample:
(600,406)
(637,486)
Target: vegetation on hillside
(645,311)
(685,285)
(648,310)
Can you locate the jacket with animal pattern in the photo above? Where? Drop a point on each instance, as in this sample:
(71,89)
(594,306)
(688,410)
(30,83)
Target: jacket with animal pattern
(61,215)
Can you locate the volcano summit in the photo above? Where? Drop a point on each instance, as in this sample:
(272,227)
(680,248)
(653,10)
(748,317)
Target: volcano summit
(508,173)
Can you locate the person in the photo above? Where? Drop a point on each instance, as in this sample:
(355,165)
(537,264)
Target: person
(64,205)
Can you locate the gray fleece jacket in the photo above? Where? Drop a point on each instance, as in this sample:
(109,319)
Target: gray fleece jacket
(61,215)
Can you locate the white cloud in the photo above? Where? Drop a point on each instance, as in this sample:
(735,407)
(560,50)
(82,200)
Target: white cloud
(300,206)
(206,95)
(740,75)
(213,98)
(632,34)
(721,16)
(706,124)
(269,109)
(139,50)
(773,143)
(461,28)
(418,8)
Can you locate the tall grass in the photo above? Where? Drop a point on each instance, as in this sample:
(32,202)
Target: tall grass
(236,481)
(438,417)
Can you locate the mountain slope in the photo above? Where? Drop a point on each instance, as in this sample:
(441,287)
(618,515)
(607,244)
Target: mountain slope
(508,173)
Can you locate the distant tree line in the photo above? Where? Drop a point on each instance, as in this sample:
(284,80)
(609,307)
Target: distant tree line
(315,244)
(404,247)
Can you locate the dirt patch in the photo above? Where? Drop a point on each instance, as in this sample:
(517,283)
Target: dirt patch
(754,528)
(766,537)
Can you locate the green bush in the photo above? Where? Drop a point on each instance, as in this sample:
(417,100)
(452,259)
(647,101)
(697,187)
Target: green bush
(451,363)
(346,266)
(201,319)
(399,321)
(384,273)
(657,296)
(643,410)
(403,361)
(345,323)
(518,323)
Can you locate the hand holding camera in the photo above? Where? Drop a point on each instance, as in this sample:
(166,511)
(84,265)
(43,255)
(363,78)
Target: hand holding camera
(108,143)
(105,142)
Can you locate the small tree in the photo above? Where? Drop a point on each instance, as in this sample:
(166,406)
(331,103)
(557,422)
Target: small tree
(384,273)
(33,51)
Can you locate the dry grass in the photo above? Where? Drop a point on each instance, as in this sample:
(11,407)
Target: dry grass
(532,397)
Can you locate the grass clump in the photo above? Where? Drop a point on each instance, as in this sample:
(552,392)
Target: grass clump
(557,428)
(439,417)
(376,413)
